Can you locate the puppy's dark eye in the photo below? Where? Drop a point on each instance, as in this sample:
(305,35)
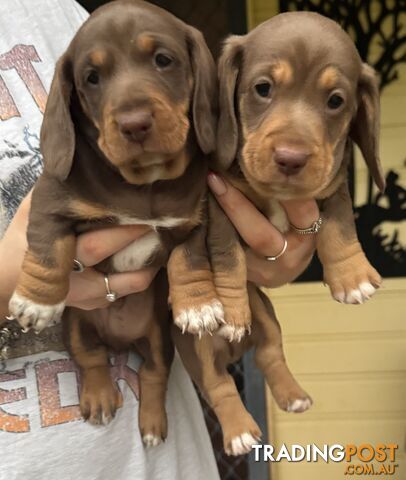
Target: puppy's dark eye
(93,77)
(162,60)
(335,101)
(263,89)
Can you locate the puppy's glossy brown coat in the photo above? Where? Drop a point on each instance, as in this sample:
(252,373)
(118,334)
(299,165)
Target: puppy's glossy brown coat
(284,134)
(302,95)
(129,122)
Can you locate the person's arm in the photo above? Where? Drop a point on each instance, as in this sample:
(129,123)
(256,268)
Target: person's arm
(264,239)
(87,289)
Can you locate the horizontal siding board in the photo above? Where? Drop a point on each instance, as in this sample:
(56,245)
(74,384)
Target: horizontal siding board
(358,356)
(352,361)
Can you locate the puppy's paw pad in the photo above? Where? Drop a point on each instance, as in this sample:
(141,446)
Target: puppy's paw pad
(299,405)
(151,440)
(241,444)
(34,315)
(198,320)
(231,333)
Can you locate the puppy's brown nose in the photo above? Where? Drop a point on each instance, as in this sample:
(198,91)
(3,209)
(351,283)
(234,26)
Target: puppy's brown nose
(135,126)
(289,160)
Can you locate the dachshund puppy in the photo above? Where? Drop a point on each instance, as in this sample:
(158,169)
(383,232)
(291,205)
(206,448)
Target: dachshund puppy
(302,95)
(294,93)
(130,119)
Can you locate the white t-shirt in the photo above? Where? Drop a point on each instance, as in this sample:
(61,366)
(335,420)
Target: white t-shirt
(42,436)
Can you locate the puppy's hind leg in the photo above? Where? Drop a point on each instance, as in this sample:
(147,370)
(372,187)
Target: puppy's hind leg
(99,396)
(267,338)
(157,351)
(208,370)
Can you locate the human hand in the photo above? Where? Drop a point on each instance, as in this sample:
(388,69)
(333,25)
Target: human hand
(264,239)
(87,289)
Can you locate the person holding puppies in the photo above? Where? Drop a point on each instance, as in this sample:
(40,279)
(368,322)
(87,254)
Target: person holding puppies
(88,290)
(42,433)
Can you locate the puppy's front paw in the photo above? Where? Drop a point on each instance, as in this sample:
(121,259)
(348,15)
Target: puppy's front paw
(34,315)
(201,318)
(352,281)
(237,316)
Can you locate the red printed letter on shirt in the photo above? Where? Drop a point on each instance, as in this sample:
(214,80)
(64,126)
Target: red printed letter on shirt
(20,58)
(9,422)
(52,413)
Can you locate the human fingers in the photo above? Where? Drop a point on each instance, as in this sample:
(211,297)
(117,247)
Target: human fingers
(88,289)
(256,230)
(286,268)
(93,247)
(301,213)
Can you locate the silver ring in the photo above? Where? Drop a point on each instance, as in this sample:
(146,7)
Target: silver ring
(272,258)
(78,266)
(312,230)
(110,295)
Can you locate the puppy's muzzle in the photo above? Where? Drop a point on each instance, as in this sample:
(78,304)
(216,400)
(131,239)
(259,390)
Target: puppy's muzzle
(136,125)
(289,160)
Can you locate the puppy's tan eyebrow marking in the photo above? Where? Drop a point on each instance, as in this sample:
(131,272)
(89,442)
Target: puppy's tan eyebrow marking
(98,58)
(145,43)
(328,77)
(282,72)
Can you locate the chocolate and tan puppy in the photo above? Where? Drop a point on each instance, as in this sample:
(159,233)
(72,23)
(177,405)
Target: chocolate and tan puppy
(130,119)
(302,95)
(294,93)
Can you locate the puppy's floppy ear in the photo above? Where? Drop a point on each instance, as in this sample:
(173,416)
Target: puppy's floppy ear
(57,131)
(227,133)
(365,126)
(204,105)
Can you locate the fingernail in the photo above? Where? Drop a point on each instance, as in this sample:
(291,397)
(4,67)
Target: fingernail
(216,184)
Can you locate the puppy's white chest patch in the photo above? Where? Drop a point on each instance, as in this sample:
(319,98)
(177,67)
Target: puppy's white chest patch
(163,222)
(136,254)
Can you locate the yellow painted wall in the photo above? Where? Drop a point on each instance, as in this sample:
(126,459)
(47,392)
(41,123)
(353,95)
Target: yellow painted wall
(351,359)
